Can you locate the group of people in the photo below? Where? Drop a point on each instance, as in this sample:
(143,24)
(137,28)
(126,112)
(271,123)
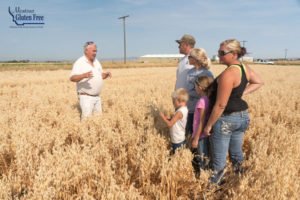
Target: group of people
(212,109)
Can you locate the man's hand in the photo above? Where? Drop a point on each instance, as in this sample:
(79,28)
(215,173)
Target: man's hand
(106,75)
(88,74)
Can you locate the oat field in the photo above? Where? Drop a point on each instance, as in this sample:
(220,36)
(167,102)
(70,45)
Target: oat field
(47,153)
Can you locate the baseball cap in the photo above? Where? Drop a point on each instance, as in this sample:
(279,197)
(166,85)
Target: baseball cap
(187,39)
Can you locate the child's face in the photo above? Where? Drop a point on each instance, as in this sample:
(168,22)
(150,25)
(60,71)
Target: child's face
(199,90)
(176,103)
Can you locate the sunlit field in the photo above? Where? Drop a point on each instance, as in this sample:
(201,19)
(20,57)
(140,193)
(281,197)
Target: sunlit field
(68,65)
(47,153)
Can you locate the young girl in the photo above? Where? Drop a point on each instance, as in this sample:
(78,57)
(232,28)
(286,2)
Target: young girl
(201,115)
(178,122)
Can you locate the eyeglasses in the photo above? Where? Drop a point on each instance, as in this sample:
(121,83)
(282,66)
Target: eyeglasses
(223,53)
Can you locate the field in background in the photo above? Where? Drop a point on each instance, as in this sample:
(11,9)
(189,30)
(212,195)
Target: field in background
(287,62)
(68,65)
(105,64)
(46,153)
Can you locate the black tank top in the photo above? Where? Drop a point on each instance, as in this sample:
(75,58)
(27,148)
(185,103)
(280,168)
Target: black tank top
(235,102)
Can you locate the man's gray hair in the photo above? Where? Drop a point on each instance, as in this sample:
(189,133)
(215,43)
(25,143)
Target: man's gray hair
(88,44)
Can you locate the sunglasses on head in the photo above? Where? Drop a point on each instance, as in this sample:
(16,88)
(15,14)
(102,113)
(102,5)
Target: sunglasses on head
(89,43)
(223,53)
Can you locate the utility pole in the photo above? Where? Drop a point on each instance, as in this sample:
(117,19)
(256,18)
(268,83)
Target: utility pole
(243,41)
(285,54)
(124,28)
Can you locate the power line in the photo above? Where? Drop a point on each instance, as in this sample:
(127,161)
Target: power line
(244,41)
(124,29)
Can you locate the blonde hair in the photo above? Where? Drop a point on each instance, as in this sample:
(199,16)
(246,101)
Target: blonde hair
(234,46)
(200,55)
(181,94)
(205,82)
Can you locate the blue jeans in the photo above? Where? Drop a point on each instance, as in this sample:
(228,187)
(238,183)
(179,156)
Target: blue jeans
(176,146)
(203,153)
(227,134)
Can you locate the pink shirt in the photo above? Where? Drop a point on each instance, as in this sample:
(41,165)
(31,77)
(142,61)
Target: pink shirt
(203,103)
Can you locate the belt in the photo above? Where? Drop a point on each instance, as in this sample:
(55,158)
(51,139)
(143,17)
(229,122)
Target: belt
(235,113)
(83,93)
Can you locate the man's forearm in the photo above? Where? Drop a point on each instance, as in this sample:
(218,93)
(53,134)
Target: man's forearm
(77,78)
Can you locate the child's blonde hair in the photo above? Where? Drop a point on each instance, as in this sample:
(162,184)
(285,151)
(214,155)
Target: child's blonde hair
(205,83)
(181,94)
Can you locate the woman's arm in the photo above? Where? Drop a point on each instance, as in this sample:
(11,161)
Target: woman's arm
(200,127)
(254,80)
(171,122)
(225,85)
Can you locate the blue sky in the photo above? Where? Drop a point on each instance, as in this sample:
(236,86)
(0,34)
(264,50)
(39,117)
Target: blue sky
(268,26)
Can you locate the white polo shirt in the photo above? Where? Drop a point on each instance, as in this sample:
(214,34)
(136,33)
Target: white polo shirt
(91,86)
(182,70)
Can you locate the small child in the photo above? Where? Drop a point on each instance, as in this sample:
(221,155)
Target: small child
(178,122)
(201,116)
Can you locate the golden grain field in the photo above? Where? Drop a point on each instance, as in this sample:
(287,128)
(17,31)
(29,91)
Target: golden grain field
(47,153)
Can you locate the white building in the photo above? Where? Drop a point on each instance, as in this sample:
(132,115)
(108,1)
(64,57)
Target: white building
(247,59)
(160,58)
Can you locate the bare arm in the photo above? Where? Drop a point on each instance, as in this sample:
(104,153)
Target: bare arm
(77,78)
(225,86)
(255,81)
(171,122)
(200,128)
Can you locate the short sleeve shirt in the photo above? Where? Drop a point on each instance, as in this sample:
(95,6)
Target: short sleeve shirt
(192,75)
(91,86)
(203,103)
(182,70)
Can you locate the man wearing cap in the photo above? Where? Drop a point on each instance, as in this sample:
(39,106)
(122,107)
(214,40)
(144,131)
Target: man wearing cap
(186,43)
(88,74)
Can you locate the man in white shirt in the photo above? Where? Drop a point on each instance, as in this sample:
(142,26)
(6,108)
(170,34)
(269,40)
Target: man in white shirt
(186,43)
(88,74)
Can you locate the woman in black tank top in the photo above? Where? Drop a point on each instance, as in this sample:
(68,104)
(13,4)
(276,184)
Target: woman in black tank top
(229,117)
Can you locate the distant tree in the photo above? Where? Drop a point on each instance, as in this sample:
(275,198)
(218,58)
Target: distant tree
(18,61)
